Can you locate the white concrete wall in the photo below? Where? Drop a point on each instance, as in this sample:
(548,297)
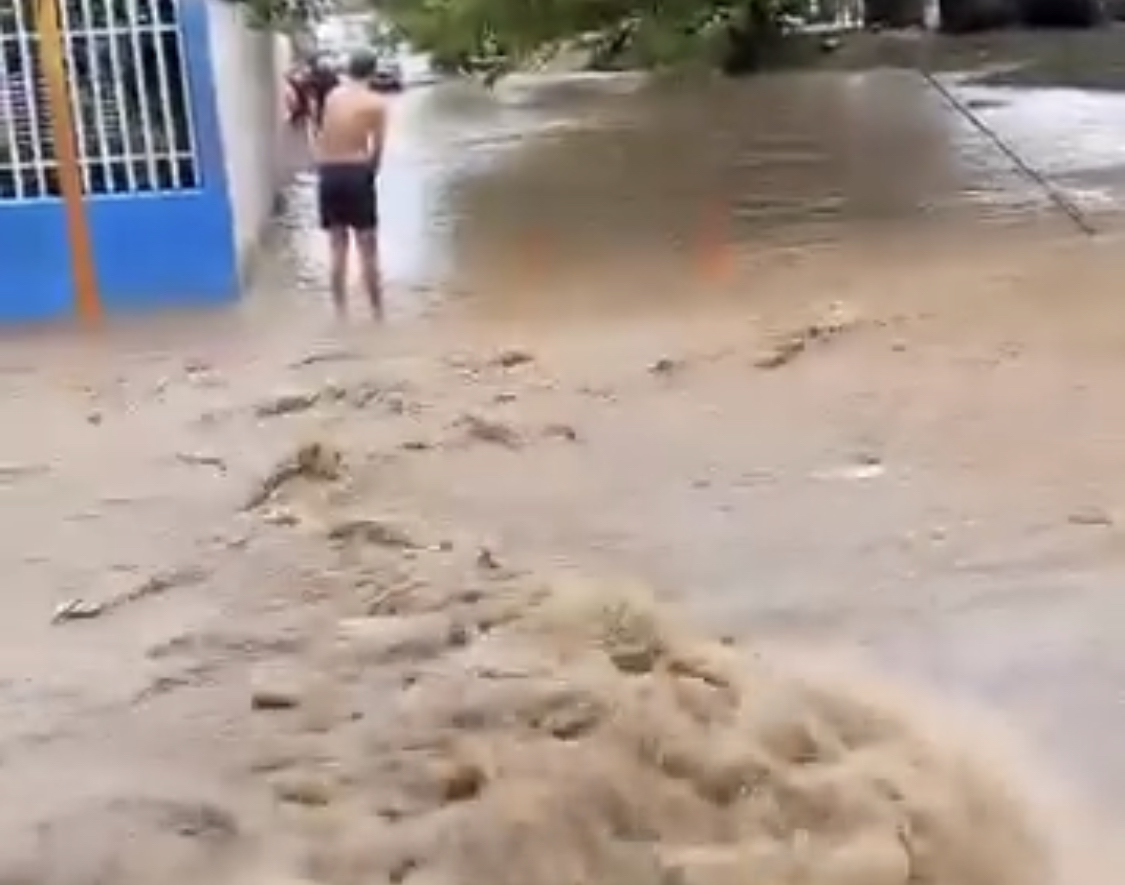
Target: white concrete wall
(248,69)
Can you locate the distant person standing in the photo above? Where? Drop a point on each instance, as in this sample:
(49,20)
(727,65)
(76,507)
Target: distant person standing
(349,152)
(297,97)
(321,80)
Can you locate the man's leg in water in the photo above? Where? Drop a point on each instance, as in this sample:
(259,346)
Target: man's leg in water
(332,206)
(367,243)
(338,246)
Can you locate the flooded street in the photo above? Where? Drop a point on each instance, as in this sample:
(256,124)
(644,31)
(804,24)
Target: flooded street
(826,359)
(562,184)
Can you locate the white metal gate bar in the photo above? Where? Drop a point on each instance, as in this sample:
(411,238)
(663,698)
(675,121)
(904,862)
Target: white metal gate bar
(42,136)
(169,132)
(174,91)
(128,88)
(149,149)
(122,146)
(91,63)
(27,157)
(76,86)
(11,159)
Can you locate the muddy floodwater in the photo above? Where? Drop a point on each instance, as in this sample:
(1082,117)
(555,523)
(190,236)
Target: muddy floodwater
(546,189)
(830,359)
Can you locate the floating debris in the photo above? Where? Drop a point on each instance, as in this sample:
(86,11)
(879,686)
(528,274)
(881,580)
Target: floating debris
(14,472)
(325,356)
(315,461)
(863,470)
(561,431)
(1091,516)
(286,404)
(783,352)
(280,516)
(510,359)
(306,790)
(77,610)
(82,609)
(270,693)
(487,560)
(197,459)
(488,430)
(373,531)
(788,347)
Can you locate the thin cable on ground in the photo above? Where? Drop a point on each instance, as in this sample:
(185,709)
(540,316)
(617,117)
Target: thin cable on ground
(1057,197)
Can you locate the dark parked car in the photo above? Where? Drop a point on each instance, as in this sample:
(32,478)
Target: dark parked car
(388,76)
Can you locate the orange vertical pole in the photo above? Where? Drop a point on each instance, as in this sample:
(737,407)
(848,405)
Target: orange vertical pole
(715,255)
(88,302)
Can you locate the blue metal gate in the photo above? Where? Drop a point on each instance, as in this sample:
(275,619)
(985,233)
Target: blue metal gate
(149,151)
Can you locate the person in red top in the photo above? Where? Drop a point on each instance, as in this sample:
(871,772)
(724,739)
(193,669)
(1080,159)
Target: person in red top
(296,98)
(321,80)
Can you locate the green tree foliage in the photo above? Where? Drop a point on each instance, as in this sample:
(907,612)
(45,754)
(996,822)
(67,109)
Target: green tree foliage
(495,33)
(284,15)
(646,32)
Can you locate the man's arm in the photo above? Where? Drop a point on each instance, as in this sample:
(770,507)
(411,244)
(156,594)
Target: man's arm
(377,135)
(323,83)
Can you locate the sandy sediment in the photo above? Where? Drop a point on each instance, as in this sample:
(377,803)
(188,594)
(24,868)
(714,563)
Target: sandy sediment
(472,723)
(444,717)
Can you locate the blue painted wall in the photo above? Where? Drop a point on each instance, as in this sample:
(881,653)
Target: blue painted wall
(151,249)
(35,280)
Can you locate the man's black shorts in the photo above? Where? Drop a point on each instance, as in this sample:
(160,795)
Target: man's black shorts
(346,196)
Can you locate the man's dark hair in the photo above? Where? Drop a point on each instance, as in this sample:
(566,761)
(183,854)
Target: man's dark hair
(362,65)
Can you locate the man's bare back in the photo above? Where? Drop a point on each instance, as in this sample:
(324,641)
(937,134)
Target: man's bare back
(353,127)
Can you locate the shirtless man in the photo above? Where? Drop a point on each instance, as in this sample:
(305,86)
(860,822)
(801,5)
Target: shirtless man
(348,152)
